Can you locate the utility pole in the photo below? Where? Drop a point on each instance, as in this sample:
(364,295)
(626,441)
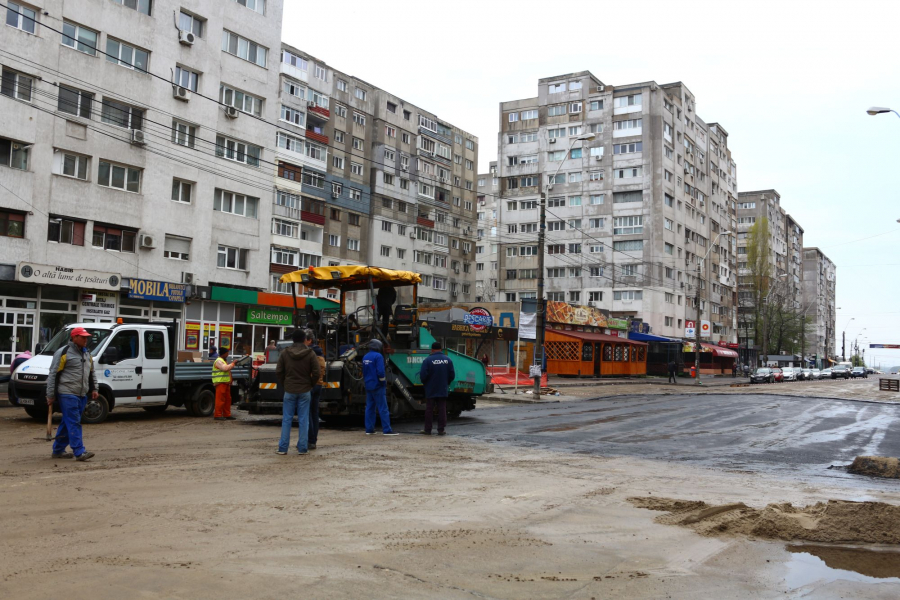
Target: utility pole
(697,326)
(844,347)
(765,352)
(539,317)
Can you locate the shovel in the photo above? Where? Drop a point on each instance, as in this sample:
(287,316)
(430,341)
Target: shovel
(49,423)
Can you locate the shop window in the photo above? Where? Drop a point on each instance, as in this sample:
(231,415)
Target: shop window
(607,353)
(617,353)
(65,231)
(12,224)
(587,352)
(625,353)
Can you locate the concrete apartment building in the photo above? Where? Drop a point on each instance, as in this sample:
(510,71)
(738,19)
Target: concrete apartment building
(377,181)
(114,176)
(630,213)
(819,289)
(786,253)
(487,266)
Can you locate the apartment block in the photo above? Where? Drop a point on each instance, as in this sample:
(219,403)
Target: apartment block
(120,165)
(377,180)
(487,245)
(819,289)
(638,188)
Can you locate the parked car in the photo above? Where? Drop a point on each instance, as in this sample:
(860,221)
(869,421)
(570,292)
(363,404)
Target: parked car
(839,371)
(825,374)
(791,374)
(870,371)
(762,375)
(807,375)
(859,372)
(779,374)
(816,374)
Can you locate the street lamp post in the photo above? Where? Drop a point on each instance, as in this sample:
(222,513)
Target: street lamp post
(765,347)
(877,110)
(844,341)
(542,231)
(697,324)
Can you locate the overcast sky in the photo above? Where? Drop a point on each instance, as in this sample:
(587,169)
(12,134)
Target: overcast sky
(789,80)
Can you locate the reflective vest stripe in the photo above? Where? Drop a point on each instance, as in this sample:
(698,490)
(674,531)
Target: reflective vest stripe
(218,375)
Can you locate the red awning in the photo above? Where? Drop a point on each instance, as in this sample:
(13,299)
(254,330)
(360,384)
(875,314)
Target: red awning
(720,351)
(596,337)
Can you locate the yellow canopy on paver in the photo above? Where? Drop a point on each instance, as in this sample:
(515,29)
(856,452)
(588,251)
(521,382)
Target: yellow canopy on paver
(350,278)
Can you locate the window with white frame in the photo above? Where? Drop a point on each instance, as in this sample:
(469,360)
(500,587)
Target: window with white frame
(355,194)
(340,111)
(596,223)
(186,78)
(439,283)
(229,257)
(337,162)
(242,101)
(237,151)
(110,237)
(292,115)
(360,93)
(575,177)
(126,56)
(177,247)
(556,110)
(295,89)
(575,107)
(627,295)
(628,245)
(121,115)
(80,38)
(235,204)
(627,124)
(72,165)
(241,47)
(75,102)
(182,190)
(629,173)
(353,244)
(631,148)
(622,101)
(359,118)
(386,251)
(183,134)
(190,22)
(285,228)
(526,115)
(20,17)
(334,241)
(628,225)
(120,177)
(356,168)
(17,85)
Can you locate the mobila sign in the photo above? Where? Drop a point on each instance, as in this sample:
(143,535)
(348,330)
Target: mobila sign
(146,289)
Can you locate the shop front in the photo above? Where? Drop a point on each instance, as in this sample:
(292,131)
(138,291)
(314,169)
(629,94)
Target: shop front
(714,360)
(660,352)
(587,354)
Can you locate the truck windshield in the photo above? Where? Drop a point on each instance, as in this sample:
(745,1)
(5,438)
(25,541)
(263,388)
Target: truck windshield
(63,337)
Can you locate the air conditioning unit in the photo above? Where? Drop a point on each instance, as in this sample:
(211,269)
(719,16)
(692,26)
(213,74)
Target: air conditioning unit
(147,242)
(187,278)
(181,93)
(335,195)
(186,38)
(552,140)
(412,235)
(454,294)
(231,112)
(456,270)
(598,157)
(137,137)
(591,303)
(404,167)
(601,88)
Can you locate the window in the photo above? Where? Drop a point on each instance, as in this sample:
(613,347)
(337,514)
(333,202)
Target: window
(232,258)
(574,248)
(629,245)
(556,156)
(556,225)
(629,173)
(574,223)
(181,191)
(525,115)
(632,100)
(668,200)
(575,107)
(237,151)
(75,165)
(13,154)
(178,248)
(596,105)
(138,5)
(596,223)
(20,17)
(75,102)
(627,148)
(337,162)
(186,78)
(556,272)
(597,152)
(357,144)
(595,248)
(12,224)
(388,179)
(292,115)
(334,241)
(340,110)
(356,168)
(513,117)
(16,85)
(121,115)
(669,248)
(113,238)
(470,145)
(575,153)
(628,225)
(621,197)
(240,100)
(353,244)
(390,131)
(79,38)
(126,56)
(293,88)
(189,22)
(556,88)
(285,228)
(119,177)
(404,184)
(183,134)
(574,177)
(556,110)
(241,47)
(236,204)
(359,118)
(65,231)
(627,295)
(627,124)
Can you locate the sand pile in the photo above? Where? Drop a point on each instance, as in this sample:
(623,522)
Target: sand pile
(835,521)
(876,466)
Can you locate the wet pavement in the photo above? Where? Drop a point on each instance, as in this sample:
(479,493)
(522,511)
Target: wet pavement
(755,432)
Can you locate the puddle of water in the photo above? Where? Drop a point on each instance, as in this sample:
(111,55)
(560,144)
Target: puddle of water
(810,563)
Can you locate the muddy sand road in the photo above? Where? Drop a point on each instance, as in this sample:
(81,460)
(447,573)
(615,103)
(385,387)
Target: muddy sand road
(174,507)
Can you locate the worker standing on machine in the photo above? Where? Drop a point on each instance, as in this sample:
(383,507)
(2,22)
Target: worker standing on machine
(384,300)
(376,389)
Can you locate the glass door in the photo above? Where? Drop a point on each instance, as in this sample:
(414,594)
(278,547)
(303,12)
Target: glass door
(16,335)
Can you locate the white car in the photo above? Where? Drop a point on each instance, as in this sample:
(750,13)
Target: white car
(790,373)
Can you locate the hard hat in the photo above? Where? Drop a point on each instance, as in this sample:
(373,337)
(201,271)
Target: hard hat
(79,332)
(376,345)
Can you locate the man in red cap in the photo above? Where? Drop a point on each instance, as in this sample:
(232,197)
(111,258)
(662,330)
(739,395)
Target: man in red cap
(71,378)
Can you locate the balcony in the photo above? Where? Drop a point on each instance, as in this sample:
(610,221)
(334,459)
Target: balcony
(311,217)
(317,136)
(425,222)
(316,111)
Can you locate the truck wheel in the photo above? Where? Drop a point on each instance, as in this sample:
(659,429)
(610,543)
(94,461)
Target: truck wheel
(454,414)
(96,411)
(36,413)
(204,404)
(155,409)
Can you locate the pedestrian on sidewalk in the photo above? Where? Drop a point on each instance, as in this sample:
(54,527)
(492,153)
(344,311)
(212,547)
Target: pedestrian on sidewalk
(734,370)
(315,396)
(70,382)
(213,352)
(437,374)
(297,372)
(376,389)
(221,378)
(673,368)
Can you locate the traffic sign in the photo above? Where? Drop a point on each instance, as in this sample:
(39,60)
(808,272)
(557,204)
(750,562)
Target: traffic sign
(690,329)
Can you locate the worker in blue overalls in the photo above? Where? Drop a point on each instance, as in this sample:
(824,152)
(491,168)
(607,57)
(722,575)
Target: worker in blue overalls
(376,389)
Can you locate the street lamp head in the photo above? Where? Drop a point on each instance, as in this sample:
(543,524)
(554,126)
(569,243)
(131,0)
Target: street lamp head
(877,110)
(587,137)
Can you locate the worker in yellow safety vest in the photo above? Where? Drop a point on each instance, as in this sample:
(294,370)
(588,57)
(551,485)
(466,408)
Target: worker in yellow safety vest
(221,378)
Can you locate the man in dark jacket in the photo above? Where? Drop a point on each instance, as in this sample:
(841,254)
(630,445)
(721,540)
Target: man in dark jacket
(376,389)
(437,374)
(384,300)
(72,379)
(673,369)
(297,371)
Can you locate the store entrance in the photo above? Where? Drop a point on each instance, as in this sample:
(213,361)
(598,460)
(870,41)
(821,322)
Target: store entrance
(16,334)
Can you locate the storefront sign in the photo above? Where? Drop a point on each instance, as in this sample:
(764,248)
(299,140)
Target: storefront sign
(57,275)
(192,335)
(455,329)
(97,305)
(561,312)
(270,316)
(145,289)
(479,319)
(617,323)
(690,329)
(705,329)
